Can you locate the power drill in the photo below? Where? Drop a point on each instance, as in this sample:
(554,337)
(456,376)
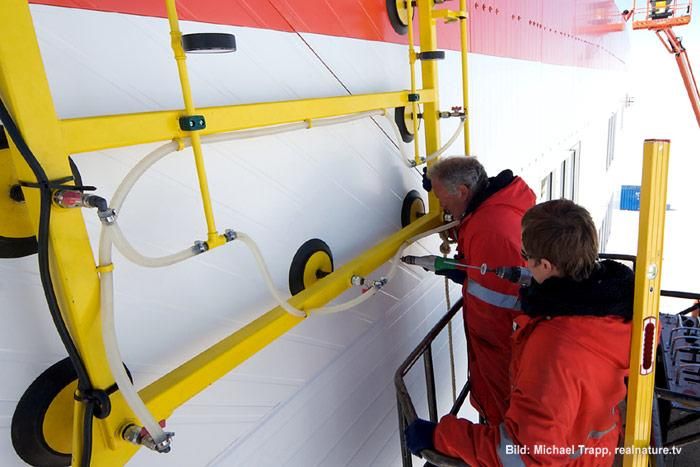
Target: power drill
(516,274)
(435,263)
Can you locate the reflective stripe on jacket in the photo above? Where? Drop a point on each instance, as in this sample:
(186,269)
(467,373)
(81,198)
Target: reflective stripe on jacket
(491,235)
(568,377)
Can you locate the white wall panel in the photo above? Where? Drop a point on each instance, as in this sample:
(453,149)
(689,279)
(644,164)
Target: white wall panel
(323,393)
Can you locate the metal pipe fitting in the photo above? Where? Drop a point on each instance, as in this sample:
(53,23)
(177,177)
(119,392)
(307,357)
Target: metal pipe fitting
(200,247)
(230,235)
(357,280)
(139,435)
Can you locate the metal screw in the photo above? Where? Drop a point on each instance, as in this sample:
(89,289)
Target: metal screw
(652,272)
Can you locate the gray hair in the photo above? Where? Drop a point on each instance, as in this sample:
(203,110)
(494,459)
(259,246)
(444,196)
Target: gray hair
(459,170)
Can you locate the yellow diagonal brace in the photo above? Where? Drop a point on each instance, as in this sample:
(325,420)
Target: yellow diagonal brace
(646,301)
(95,133)
(25,90)
(172,390)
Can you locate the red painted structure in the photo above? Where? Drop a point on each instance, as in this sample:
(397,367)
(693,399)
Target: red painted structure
(585,33)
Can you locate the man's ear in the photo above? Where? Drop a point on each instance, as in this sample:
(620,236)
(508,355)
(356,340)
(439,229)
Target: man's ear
(549,268)
(463,191)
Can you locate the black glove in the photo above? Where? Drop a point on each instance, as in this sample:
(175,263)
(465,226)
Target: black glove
(419,436)
(455,275)
(427,184)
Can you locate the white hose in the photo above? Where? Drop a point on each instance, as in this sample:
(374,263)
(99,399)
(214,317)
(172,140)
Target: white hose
(109,338)
(121,242)
(406,159)
(112,235)
(117,238)
(449,142)
(250,243)
(266,275)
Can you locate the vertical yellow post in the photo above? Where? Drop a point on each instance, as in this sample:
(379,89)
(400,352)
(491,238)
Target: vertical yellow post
(646,301)
(25,91)
(213,238)
(412,68)
(464,41)
(429,70)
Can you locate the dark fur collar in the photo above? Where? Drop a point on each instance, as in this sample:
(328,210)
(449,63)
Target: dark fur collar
(495,184)
(609,291)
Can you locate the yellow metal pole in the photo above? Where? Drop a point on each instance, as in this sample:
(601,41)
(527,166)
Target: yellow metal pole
(25,91)
(178,386)
(428,42)
(646,302)
(112,131)
(412,66)
(464,40)
(24,88)
(213,238)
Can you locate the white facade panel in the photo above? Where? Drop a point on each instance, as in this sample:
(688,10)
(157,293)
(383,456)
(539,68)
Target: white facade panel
(323,393)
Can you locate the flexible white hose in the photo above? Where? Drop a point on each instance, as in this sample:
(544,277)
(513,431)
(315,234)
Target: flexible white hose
(109,338)
(113,235)
(406,159)
(266,275)
(121,242)
(452,139)
(125,248)
(250,243)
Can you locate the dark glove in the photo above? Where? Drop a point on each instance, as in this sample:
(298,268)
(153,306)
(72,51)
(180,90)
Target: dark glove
(427,184)
(455,275)
(419,436)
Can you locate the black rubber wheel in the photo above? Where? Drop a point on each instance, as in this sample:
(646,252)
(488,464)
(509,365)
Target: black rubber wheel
(300,264)
(209,42)
(17,247)
(28,419)
(400,119)
(432,55)
(412,208)
(27,429)
(399,24)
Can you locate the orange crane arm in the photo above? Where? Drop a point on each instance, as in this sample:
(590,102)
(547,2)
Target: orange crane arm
(673,45)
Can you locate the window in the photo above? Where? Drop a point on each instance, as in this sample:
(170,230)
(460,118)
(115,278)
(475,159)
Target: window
(546,188)
(561,183)
(612,128)
(604,232)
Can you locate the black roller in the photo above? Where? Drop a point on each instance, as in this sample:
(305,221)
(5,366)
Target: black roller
(17,247)
(209,42)
(431,55)
(413,207)
(27,429)
(302,273)
(404,130)
(399,21)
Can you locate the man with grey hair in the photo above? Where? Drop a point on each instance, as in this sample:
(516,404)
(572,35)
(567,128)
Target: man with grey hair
(490,210)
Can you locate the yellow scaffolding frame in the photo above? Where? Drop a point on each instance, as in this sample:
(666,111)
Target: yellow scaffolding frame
(24,88)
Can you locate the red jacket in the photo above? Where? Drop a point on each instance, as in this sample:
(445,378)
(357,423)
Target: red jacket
(568,374)
(491,234)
